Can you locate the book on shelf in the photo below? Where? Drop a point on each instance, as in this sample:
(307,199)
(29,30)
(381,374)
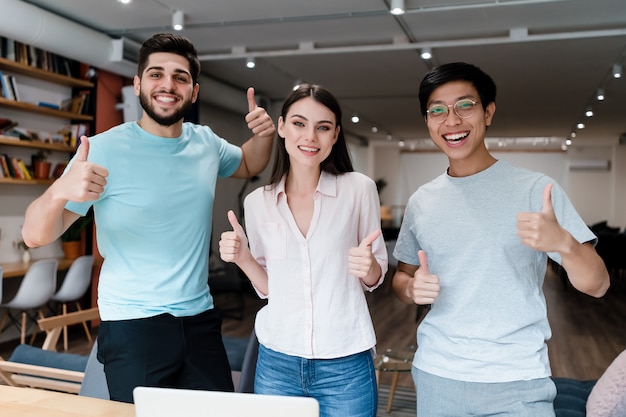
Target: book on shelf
(6,89)
(48,105)
(24,170)
(13,87)
(4,158)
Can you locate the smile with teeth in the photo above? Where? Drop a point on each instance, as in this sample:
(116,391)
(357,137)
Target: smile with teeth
(165,99)
(308,148)
(456,137)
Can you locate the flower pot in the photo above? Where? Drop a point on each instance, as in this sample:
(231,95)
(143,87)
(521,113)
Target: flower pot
(71,249)
(41,169)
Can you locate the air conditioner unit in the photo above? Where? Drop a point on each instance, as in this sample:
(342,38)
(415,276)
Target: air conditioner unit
(589,165)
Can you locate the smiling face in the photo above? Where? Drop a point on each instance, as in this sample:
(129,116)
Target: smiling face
(461,139)
(166,90)
(310,130)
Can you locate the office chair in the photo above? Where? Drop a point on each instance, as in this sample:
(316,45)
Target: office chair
(36,288)
(73,288)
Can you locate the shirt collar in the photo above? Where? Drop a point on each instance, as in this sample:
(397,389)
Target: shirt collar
(326,185)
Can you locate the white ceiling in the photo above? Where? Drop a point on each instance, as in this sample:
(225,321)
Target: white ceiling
(548,57)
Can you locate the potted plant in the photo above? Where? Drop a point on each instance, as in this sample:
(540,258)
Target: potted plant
(71,238)
(41,166)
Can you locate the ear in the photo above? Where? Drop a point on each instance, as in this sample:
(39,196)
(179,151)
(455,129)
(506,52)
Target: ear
(337,130)
(489,111)
(281,127)
(194,94)
(136,85)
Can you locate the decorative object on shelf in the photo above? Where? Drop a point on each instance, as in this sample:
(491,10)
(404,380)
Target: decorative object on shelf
(21,246)
(71,238)
(41,166)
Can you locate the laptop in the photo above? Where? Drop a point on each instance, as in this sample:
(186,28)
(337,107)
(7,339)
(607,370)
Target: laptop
(170,402)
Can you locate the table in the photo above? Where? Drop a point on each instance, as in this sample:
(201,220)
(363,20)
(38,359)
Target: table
(18,269)
(30,402)
(396,361)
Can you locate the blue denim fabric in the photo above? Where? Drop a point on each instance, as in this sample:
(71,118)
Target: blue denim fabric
(442,397)
(344,387)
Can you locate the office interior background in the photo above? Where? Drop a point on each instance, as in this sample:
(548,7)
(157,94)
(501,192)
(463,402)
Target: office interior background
(550,60)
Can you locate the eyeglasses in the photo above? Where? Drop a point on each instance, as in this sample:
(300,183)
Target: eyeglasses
(463,108)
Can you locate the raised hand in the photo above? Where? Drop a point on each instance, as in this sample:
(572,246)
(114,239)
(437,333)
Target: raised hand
(259,122)
(84,180)
(234,244)
(360,259)
(541,231)
(424,287)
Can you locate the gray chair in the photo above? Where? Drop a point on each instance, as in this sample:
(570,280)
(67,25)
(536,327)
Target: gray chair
(34,292)
(248,368)
(75,284)
(94,383)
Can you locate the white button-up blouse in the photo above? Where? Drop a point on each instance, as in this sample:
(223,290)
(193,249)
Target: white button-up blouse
(315,308)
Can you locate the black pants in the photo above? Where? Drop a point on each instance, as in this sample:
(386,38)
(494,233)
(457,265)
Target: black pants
(164,351)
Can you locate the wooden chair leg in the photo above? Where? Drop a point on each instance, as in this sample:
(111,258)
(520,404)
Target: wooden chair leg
(36,329)
(3,322)
(392,390)
(23,329)
(87,332)
(64,328)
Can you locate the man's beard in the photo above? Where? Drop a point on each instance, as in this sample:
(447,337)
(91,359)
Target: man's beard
(164,120)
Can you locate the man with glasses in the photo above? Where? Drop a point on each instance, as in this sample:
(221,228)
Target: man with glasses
(474,245)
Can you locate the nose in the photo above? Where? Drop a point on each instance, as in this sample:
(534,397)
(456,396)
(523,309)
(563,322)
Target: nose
(452,118)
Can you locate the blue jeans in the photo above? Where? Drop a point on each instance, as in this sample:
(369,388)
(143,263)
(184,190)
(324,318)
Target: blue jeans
(442,397)
(344,387)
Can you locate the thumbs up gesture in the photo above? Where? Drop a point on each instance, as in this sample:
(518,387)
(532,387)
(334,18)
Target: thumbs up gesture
(259,122)
(234,244)
(541,231)
(84,180)
(423,289)
(361,262)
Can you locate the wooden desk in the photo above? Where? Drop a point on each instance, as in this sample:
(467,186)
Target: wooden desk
(29,402)
(18,269)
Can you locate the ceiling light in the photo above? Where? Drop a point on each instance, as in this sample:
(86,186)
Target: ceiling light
(355,118)
(589,112)
(389,137)
(568,142)
(374,129)
(617,71)
(572,135)
(426,53)
(600,94)
(124,1)
(580,126)
(178,20)
(250,63)
(397,7)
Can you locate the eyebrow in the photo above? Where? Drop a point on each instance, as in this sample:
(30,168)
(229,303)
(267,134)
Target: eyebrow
(302,117)
(457,99)
(177,70)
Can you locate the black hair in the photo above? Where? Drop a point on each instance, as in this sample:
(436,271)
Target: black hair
(338,161)
(457,71)
(168,42)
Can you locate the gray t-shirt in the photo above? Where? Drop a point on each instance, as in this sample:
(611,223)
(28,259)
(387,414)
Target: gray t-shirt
(489,322)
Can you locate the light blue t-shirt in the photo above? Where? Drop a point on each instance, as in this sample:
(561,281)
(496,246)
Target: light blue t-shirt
(154,218)
(489,322)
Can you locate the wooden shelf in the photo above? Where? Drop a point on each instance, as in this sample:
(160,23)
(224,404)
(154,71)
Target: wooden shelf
(17,68)
(33,108)
(7,140)
(16,181)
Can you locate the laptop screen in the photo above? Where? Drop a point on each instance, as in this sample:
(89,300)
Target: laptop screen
(170,402)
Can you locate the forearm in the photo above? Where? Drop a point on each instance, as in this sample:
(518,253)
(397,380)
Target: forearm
(373,276)
(43,221)
(256,154)
(255,273)
(400,283)
(585,269)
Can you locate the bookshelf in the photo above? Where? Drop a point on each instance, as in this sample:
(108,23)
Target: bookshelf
(9,144)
